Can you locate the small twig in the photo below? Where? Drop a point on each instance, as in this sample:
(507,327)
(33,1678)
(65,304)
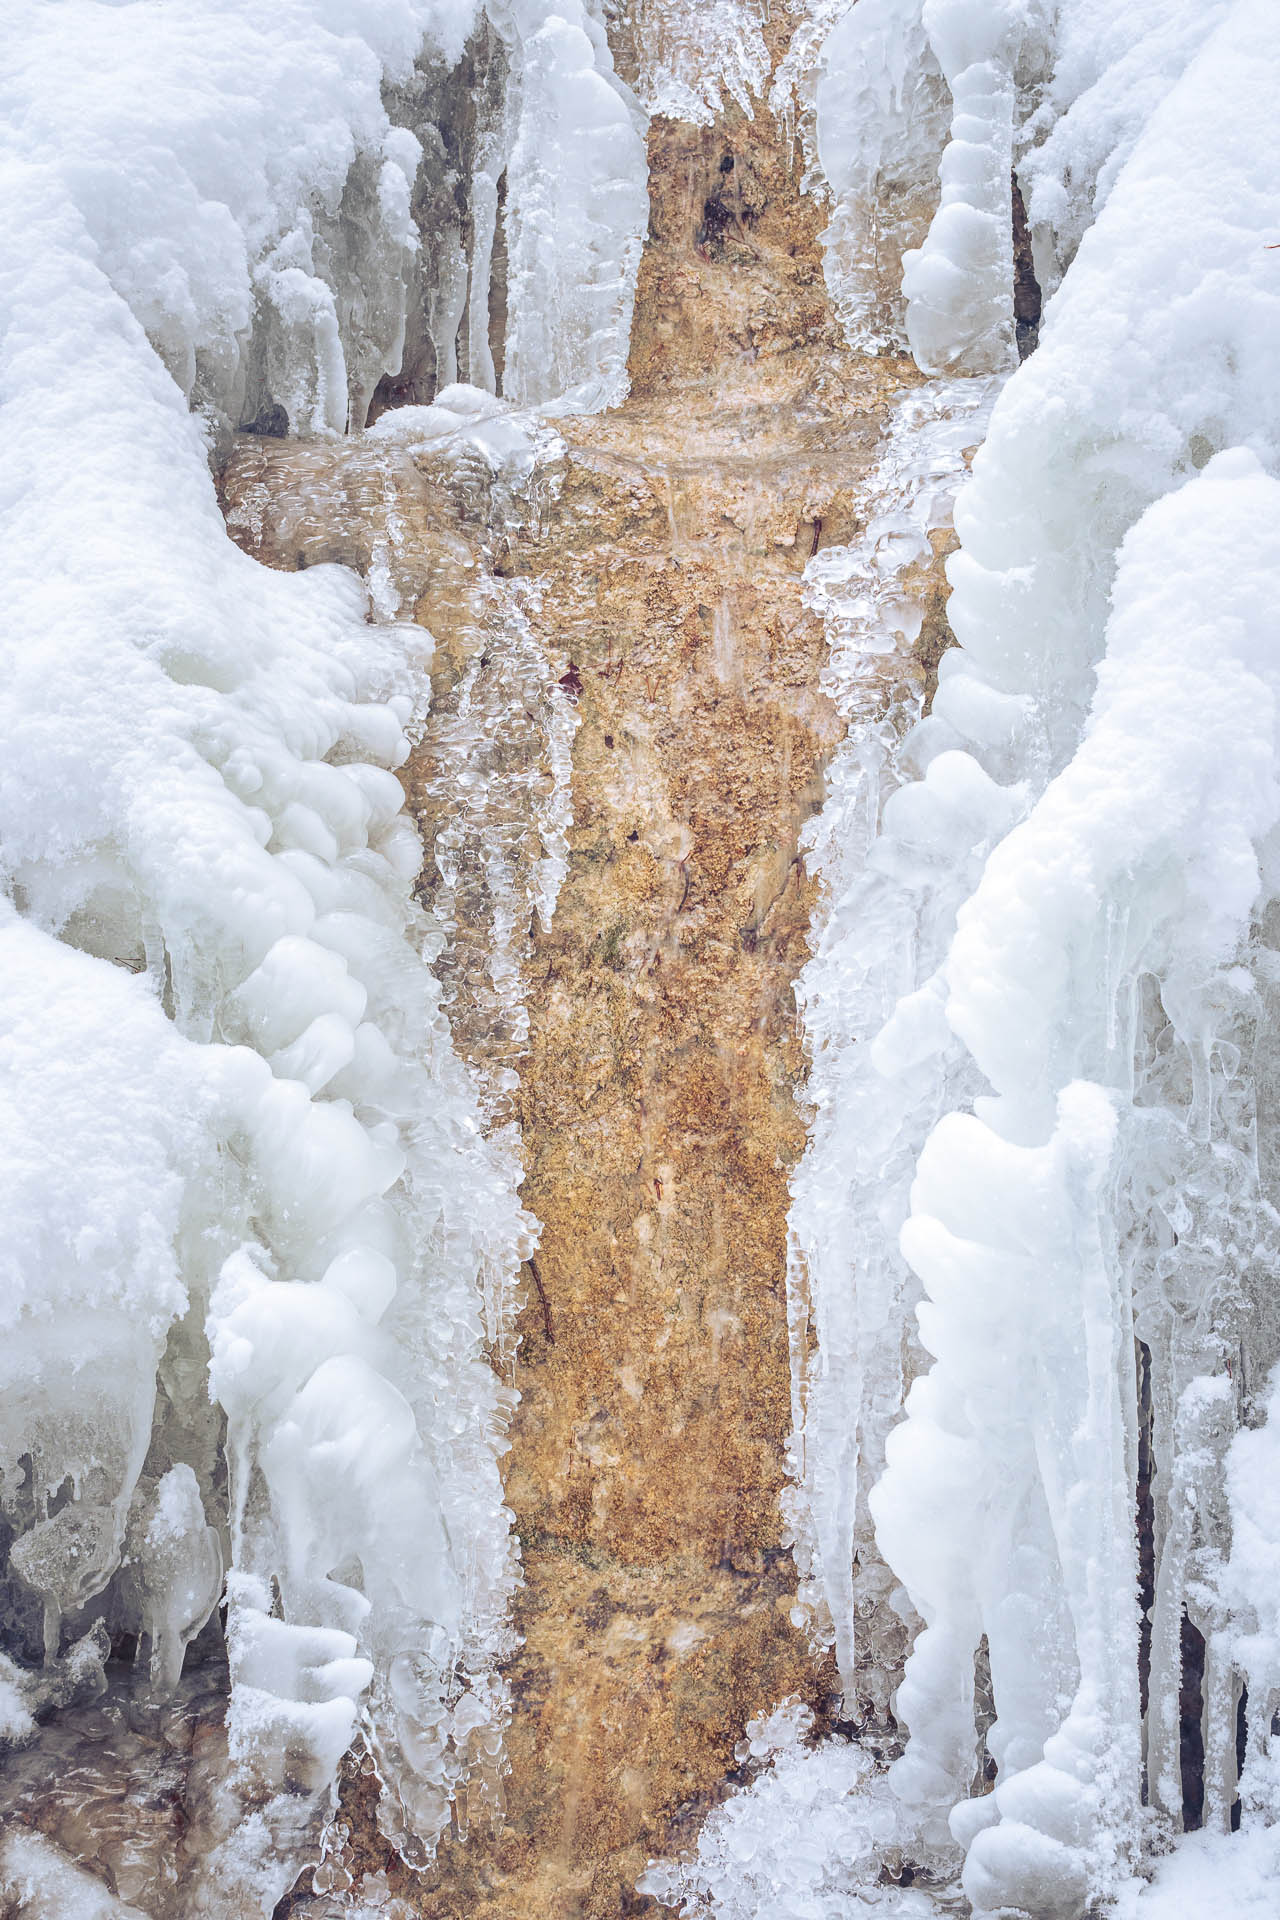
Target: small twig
(546,1304)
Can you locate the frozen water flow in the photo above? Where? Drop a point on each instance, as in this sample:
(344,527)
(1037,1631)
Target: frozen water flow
(690,61)
(1100,980)
(885,929)
(260,1251)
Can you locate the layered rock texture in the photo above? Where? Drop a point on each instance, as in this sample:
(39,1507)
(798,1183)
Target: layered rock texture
(645,1040)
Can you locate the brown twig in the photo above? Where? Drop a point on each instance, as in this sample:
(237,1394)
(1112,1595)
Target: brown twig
(546,1304)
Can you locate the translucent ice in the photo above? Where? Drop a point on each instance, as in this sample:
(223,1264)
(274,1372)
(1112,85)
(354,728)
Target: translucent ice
(1086,1038)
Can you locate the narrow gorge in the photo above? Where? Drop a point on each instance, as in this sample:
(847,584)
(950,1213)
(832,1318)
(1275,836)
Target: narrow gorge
(639,842)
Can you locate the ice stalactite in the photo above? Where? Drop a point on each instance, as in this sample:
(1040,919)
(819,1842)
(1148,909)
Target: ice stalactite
(1114,921)
(689,62)
(919,106)
(260,1249)
(881,105)
(275,261)
(577,207)
(1135,987)
(958,284)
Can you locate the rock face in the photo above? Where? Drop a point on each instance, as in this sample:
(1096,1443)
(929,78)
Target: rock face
(658,1101)
(655,585)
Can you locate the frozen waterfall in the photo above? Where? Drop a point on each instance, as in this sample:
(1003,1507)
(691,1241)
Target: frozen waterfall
(262,1224)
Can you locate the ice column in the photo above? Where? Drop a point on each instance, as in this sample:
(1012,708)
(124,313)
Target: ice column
(881,105)
(577,209)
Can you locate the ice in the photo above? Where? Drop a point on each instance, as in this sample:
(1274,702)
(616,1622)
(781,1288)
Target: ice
(881,931)
(1084,1039)
(262,1225)
(691,61)
(958,284)
(806,1841)
(241,1151)
(173,1559)
(793,88)
(577,211)
(261,231)
(882,113)
(920,246)
(38,1880)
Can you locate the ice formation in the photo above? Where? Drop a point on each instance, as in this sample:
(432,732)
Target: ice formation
(850,1192)
(39,1882)
(1035,1232)
(801,1843)
(259,1249)
(690,60)
(881,106)
(576,211)
(260,1241)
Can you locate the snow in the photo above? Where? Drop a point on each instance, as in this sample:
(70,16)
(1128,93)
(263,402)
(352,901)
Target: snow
(1211,1875)
(38,1881)
(261,1236)
(241,187)
(1044,983)
(1111,67)
(242,1157)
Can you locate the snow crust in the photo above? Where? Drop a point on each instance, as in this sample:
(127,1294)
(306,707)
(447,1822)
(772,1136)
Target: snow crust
(38,1881)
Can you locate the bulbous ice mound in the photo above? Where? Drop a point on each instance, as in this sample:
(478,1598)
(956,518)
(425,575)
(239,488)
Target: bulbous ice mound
(243,1156)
